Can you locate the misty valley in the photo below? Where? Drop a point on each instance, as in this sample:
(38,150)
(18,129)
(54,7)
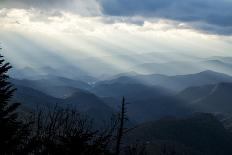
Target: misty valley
(188,113)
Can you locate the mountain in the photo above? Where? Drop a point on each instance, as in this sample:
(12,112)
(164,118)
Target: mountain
(198,134)
(217,64)
(150,109)
(169,68)
(122,75)
(90,105)
(209,98)
(221,58)
(57,86)
(61,92)
(145,103)
(85,102)
(31,98)
(175,83)
(133,91)
(92,64)
(46,72)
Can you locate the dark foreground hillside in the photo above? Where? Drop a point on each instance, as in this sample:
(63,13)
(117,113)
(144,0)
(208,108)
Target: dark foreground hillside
(198,134)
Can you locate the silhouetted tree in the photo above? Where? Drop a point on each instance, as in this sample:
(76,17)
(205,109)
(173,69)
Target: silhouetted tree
(12,131)
(135,149)
(59,130)
(120,132)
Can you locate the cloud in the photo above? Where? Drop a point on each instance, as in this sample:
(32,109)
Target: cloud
(216,14)
(82,7)
(207,16)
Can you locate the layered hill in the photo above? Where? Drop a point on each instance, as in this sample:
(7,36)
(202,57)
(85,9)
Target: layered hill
(209,98)
(198,134)
(175,83)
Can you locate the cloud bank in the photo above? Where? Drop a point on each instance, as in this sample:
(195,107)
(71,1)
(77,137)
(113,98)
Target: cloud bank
(207,15)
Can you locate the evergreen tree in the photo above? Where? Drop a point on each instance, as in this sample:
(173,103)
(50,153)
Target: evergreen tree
(12,130)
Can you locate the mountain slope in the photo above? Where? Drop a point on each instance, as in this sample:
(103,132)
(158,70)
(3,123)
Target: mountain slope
(216,64)
(91,105)
(201,132)
(31,98)
(130,91)
(176,83)
(145,103)
(155,108)
(57,86)
(83,101)
(66,71)
(168,68)
(209,98)
(61,92)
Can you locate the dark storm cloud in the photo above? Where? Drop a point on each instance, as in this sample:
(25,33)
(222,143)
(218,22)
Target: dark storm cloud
(216,13)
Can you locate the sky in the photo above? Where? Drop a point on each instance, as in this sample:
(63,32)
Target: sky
(33,32)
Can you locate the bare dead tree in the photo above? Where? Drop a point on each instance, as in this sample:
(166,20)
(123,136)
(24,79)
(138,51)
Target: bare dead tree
(120,133)
(59,130)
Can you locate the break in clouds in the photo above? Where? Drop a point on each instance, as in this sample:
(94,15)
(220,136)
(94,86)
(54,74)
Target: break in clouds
(208,16)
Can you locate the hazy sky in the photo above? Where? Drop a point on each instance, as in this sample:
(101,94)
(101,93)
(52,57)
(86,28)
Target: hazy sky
(75,29)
